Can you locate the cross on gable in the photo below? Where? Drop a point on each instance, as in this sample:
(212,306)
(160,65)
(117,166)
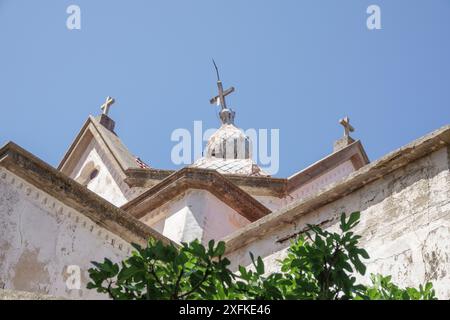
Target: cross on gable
(105,107)
(220,98)
(347,126)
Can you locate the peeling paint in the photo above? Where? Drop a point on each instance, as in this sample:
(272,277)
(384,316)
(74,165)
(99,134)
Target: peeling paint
(38,241)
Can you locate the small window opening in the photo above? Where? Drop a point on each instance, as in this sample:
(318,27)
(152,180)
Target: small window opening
(93,174)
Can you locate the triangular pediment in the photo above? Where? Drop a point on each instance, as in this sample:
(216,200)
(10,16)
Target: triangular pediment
(196,178)
(98,159)
(93,129)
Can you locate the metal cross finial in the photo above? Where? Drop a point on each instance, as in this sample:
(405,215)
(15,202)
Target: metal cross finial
(105,107)
(220,98)
(347,126)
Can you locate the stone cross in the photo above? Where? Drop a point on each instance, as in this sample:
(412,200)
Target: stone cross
(347,126)
(105,107)
(220,98)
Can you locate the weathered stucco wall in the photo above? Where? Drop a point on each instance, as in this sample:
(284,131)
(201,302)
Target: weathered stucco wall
(195,214)
(405,225)
(40,237)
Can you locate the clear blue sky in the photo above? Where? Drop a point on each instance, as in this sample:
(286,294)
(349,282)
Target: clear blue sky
(297,65)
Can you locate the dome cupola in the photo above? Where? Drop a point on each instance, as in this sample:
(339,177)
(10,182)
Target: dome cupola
(229,142)
(229,150)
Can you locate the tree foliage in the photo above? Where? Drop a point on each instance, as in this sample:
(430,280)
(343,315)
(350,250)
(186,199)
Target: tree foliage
(319,265)
(162,271)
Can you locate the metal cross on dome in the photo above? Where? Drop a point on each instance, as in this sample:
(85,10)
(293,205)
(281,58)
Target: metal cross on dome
(220,98)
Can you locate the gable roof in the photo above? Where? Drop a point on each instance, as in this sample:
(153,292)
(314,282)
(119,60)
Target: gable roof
(353,152)
(45,177)
(196,178)
(92,128)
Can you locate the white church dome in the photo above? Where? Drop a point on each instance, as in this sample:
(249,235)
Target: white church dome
(229,143)
(229,151)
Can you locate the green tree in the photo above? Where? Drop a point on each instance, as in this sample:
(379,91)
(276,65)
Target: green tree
(319,265)
(162,271)
(322,265)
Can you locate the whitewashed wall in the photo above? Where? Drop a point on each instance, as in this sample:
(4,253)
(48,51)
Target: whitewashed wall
(40,237)
(196,214)
(271,202)
(405,224)
(107,183)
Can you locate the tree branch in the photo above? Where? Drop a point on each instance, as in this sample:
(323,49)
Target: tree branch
(155,276)
(198,284)
(177,284)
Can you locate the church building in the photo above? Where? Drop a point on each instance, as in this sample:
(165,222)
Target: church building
(101,198)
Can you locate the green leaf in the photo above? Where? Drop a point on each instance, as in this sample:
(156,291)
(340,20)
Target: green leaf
(260,266)
(363,253)
(252,257)
(343,225)
(211,246)
(353,220)
(220,249)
